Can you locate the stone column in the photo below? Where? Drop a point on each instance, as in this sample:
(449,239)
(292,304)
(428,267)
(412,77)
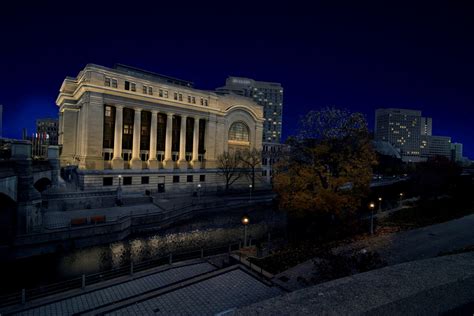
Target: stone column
(136,162)
(195,161)
(152,161)
(168,162)
(183,164)
(117,161)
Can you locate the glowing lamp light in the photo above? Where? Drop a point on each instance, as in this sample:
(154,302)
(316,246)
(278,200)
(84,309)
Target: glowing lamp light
(245,220)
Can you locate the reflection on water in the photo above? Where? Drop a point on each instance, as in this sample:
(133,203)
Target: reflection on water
(203,232)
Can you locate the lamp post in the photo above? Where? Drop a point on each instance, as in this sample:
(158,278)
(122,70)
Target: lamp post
(199,192)
(245,222)
(372,206)
(119,191)
(250,193)
(380,204)
(401,197)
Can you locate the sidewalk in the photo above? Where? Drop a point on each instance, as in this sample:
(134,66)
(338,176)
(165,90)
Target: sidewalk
(53,220)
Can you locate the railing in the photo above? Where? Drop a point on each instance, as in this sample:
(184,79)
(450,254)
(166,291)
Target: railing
(128,269)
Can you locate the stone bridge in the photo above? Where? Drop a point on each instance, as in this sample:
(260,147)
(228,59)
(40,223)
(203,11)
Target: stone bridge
(21,182)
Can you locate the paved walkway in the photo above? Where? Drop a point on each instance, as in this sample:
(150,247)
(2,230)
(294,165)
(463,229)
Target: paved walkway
(221,293)
(52,220)
(109,295)
(394,248)
(426,287)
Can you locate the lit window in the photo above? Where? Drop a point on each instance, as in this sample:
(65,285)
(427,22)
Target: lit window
(128,129)
(239,131)
(108,111)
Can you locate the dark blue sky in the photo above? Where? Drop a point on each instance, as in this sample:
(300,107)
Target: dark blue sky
(356,56)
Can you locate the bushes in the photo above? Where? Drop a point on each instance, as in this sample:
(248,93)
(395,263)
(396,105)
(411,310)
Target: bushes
(333,266)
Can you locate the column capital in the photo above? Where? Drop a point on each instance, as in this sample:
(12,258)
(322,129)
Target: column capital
(184,116)
(197,118)
(118,106)
(155,111)
(169,114)
(138,109)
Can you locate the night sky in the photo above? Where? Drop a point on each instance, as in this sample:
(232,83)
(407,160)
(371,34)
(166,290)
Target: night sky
(356,56)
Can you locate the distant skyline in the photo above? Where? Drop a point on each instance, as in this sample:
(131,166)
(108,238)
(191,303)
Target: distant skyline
(355,56)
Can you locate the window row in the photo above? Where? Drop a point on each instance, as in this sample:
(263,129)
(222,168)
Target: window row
(108,181)
(131,86)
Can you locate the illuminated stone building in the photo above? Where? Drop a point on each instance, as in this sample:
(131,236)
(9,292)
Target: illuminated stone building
(153,131)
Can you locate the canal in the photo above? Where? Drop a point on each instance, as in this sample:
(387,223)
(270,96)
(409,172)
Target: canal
(204,231)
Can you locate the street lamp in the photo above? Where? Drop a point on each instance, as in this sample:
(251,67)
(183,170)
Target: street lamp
(401,197)
(372,206)
(245,222)
(119,191)
(250,193)
(380,204)
(199,192)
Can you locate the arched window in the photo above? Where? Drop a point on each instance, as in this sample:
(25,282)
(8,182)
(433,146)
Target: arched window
(239,132)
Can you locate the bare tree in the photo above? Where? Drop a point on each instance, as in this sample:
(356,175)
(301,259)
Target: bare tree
(251,160)
(229,166)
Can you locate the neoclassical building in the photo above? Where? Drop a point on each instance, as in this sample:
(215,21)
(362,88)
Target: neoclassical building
(149,131)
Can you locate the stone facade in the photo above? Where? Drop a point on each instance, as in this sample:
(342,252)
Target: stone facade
(133,123)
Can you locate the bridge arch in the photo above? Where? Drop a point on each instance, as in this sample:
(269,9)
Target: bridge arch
(7,218)
(42,184)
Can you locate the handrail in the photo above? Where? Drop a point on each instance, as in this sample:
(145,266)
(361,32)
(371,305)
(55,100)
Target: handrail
(127,269)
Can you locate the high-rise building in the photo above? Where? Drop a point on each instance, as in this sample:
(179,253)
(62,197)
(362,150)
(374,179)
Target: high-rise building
(48,128)
(401,128)
(456,152)
(410,133)
(426,126)
(432,146)
(267,94)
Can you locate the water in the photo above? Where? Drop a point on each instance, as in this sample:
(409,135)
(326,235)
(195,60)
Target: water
(205,231)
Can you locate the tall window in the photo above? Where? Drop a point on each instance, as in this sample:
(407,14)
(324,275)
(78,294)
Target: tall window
(128,117)
(176,131)
(107,81)
(145,130)
(109,126)
(161,132)
(189,134)
(114,83)
(239,131)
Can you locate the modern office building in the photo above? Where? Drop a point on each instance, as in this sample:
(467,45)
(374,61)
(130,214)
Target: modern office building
(432,146)
(426,126)
(141,130)
(48,128)
(411,134)
(401,128)
(271,154)
(457,152)
(267,94)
